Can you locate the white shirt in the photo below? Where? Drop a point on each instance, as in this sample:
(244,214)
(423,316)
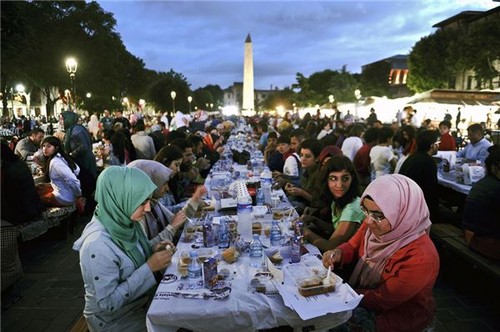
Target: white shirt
(164,119)
(64,181)
(291,167)
(182,120)
(380,157)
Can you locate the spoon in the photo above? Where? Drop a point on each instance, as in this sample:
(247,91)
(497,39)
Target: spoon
(328,280)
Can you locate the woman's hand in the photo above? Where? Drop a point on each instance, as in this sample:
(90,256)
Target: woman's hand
(293,190)
(178,220)
(307,219)
(199,192)
(160,260)
(331,257)
(164,245)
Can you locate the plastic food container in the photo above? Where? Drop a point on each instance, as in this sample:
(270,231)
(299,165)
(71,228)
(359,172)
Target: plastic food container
(314,286)
(279,213)
(184,259)
(259,211)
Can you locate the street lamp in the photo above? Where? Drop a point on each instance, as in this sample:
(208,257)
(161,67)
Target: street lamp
(211,106)
(173,94)
(190,99)
(331,99)
(357,94)
(71,66)
(19,91)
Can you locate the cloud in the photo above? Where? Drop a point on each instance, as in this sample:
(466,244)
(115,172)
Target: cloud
(204,40)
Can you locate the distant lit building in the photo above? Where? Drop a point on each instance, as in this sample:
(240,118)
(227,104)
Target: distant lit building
(391,74)
(233,95)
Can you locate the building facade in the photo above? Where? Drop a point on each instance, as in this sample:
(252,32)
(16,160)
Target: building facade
(466,80)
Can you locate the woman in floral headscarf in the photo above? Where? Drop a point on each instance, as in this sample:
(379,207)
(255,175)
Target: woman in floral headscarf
(159,223)
(397,263)
(117,261)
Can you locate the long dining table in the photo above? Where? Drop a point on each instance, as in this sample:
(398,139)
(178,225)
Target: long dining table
(235,304)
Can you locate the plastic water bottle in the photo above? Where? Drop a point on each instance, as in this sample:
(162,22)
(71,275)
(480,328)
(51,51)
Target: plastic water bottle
(244,209)
(194,271)
(223,234)
(295,244)
(208,233)
(260,197)
(266,183)
(256,250)
(275,234)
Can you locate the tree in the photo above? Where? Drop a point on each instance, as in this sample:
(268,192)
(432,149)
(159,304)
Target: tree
(42,34)
(484,44)
(285,98)
(374,79)
(427,62)
(159,91)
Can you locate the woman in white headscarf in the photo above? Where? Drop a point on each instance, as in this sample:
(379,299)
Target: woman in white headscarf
(93,126)
(160,224)
(397,263)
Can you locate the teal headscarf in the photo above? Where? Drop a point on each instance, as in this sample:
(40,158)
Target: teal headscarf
(119,192)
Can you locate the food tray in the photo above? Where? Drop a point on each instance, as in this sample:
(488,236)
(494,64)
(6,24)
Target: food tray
(184,259)
(314,286)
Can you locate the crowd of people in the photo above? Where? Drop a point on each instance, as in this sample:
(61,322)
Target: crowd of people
(340,176)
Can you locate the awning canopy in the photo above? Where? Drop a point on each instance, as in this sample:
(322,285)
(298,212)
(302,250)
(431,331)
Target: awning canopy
(455,97)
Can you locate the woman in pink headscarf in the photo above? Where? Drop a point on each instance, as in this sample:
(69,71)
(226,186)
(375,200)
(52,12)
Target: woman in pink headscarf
(397,263)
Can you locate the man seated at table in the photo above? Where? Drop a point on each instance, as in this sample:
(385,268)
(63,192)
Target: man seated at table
(30,144)
(477,149)
(421,168)
(20,200)
(184,183)
(301,196)
(480,217)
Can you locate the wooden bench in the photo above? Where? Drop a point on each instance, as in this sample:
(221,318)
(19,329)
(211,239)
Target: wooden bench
(64,217)
(451,238)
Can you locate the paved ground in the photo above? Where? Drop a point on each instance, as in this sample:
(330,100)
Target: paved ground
(52,293)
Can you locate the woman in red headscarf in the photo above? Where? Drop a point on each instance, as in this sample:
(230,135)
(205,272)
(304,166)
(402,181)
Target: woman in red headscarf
(397,263)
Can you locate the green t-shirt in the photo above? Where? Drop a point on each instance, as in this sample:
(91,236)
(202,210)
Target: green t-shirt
(351,212)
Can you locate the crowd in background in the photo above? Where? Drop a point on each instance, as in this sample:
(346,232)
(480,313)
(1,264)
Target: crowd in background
(323,165)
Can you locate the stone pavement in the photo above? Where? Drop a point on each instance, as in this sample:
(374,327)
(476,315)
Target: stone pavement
(53,297)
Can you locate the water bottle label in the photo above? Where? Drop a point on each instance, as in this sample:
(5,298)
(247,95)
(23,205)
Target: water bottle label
(194,274)
(244,207)
(267,181)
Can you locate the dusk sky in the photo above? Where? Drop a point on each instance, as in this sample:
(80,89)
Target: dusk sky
(204,40)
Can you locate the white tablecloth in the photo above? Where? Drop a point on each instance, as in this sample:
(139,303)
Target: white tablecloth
(243,310)
(448,180)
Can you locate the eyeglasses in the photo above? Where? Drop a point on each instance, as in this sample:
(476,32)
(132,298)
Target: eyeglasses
(373,215)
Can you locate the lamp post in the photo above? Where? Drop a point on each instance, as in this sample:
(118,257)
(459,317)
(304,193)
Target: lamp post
(173,94)
(357,94)
(190,99)
(71,66)
(211,107)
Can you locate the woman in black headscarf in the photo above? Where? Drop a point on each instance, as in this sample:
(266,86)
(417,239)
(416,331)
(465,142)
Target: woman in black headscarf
(78,145)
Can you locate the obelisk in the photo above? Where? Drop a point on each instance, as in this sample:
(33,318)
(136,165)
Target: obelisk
(248,92)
